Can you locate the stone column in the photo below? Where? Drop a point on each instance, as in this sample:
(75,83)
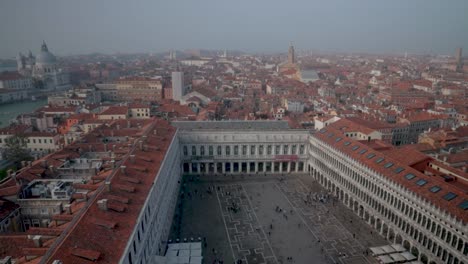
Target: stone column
(190,168)
(223,167)
(232,167)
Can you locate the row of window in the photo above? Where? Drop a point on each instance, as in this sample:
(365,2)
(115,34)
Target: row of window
(388,199)
(244,150)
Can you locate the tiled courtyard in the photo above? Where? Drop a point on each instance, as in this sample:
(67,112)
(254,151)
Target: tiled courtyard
(270,220)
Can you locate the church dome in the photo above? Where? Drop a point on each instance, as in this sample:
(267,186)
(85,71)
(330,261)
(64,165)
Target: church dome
(45,57)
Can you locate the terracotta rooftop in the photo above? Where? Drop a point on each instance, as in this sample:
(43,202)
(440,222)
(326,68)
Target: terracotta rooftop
(115,110)
(450,197)
(101,236)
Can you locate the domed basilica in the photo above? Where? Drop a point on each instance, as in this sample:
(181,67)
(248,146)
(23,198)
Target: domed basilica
(44,68)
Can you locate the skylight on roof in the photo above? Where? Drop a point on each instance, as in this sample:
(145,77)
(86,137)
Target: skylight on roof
(450,196)
(370,156)
(399,169)
(463,205)
(347,143)
(363,151)
(435,189)
(330,135)
(338,139)
(421,182)
(355,147)
(388,165)
(409,176)
(323,131)
(379,160)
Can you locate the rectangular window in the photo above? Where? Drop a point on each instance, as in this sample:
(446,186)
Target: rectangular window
(347,143)
(371,155)
(228,150)
(194,151)
(450,196)
(210,150)
(338,139)
(219,151)
(252,150)
(269,150)
(236,150)
(293,149)
(388,165)
(355,148)
(379,160)
(202,150)
(362,151)
(435,189)
(301,149)
(409,176)
(277,150)
(399,169)
(464,205)
(260,150)
(285,149)
(421,182)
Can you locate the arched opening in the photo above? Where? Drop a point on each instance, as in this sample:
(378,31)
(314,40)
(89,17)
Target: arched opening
(424,259)
(415,251)
(406,244)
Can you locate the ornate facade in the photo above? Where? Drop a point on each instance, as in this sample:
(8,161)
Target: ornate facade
(44,68)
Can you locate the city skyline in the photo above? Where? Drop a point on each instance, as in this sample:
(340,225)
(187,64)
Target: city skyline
(145,27)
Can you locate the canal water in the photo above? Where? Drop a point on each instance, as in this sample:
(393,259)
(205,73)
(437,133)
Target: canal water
(11,111)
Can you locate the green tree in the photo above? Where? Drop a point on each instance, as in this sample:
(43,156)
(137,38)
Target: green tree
(15,149)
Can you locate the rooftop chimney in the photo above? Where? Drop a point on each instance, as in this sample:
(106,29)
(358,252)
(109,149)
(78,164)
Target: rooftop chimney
(122,169)
(67,209)
(132,158)
(105,147)
(112,133)
(113,147)
(113,164)
(118,126)
(140,143)
(37,241)
(108,186)
(129,125)
(102,204)
(155,132)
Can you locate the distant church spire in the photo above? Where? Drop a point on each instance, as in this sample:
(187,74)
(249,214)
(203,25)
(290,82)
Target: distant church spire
(44,46)
(291,58)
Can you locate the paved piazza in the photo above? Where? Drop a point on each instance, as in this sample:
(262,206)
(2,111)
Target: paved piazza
(265,219)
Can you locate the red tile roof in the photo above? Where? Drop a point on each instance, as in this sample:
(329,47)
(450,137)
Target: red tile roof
(88,232)
(330,135)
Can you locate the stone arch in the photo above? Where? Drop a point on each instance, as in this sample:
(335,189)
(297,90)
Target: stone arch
(398,239)
(406,244)
(391,234)
(424,259)
(415,251)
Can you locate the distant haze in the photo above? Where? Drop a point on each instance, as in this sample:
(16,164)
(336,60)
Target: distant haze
(110,26)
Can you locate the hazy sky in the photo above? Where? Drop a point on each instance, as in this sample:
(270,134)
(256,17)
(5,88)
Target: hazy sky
(85,26)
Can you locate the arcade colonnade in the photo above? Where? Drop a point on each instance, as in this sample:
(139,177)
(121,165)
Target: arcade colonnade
(391,211)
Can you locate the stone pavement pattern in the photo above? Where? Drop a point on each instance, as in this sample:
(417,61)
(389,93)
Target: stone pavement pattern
(256,232)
